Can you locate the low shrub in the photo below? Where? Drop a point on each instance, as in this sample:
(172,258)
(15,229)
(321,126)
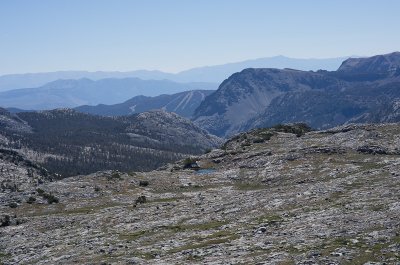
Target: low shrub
(143,183)
(31,200)
(13,205)
(50,198)
(5,221)
(141,199)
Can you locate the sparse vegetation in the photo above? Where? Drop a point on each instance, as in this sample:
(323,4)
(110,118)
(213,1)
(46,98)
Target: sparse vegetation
(143,183)
(50,198)
(5,220)
(31,200)
(188,162)
(208,150)
(114,176)
(297,128)
(204,244)
(13,205)
(140,199)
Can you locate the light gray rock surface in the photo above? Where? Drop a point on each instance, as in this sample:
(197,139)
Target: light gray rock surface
(268,197)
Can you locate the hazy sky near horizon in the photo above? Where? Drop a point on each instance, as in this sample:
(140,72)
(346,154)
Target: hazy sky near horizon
(174,35)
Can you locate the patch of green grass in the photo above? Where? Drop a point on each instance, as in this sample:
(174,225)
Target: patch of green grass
(180,189)
(396,240)
(286,262)
(91,208)
(378,207)
(370,165)
(135,235)
(218,234)
(198,227)
(203,244)
(355,185)
(364,252)
(172,199)
(192,187)
(341,241)
(269,219)
(249,186)
(257,251)
(145,255)
(178,228)
(4,256)
(373,253)
(43,210)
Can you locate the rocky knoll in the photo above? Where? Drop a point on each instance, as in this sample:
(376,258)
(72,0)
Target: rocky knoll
(270,196)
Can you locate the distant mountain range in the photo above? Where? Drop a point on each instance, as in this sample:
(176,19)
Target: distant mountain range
(210,74)
(361,90)
(183,103)
(73,93)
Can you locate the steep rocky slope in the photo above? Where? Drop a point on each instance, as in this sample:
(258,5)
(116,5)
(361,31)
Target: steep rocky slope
(183,104)
(271,196)
(248,93)
(264,97)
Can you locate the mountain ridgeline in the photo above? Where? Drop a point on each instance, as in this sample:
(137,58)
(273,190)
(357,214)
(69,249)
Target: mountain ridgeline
(361,90)
(70,143)
(183,104)
(209,74)
(73,93)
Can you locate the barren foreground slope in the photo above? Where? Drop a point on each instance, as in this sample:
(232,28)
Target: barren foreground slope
(329,197)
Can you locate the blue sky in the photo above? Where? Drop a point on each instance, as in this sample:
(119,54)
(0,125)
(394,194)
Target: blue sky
(173,35)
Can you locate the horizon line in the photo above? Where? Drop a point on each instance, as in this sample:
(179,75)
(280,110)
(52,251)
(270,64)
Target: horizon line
(180,71)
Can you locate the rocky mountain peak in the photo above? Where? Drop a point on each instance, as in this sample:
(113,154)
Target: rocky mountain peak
(388,64)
